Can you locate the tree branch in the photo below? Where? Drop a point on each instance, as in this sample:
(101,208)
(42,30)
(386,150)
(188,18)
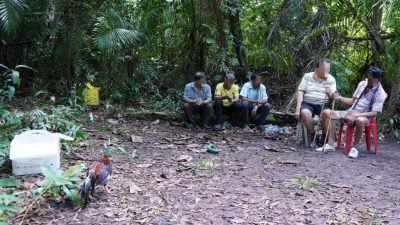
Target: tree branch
(388,36)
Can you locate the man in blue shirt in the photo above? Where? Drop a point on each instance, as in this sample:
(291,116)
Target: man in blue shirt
(255,100)
(197,98)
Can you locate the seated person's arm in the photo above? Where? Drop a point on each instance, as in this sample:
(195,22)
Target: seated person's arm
(218,97)
(248,99)
(366,114)
(208,95)
(262,101)
(347,101)
(263,98)
(186,96)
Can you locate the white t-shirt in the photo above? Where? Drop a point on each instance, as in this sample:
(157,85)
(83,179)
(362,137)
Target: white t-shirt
(315,90)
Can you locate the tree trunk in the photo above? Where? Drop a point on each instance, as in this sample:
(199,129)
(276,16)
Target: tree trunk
(69,27)
(236,30)
(373,27)
(219,18)
(394,101)
(200,65)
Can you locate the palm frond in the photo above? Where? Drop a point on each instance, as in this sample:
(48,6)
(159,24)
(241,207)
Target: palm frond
(11,14)
(112,32)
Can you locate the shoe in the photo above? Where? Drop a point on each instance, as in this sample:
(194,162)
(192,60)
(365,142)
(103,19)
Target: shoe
(217,126)
(226,125)
(260,127)
(326,148)
(246,127)
(353,153)
(189,125)
(206,126)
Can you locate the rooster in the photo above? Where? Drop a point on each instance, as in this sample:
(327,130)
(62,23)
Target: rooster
(99,175)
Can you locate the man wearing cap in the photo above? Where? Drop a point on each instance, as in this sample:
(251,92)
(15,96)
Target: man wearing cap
(227,101)
(254,101)
(197,98)
(366,102)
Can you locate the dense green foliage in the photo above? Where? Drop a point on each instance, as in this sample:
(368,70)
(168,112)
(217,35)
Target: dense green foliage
(135,49)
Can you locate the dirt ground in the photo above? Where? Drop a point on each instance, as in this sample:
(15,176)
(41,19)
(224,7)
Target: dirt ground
(254,179)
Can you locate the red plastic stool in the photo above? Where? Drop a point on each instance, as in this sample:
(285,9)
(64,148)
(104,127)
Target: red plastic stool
(349,135)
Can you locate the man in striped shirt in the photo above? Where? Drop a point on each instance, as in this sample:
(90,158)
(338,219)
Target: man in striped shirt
(313,94)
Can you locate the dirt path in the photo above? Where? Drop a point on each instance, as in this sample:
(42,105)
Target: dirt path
(253,180)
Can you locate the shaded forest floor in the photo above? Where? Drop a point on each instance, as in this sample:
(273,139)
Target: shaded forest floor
(255,179)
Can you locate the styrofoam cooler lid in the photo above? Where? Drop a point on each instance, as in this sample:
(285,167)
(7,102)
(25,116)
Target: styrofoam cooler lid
(35,143)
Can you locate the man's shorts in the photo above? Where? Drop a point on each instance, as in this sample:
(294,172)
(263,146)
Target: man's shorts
(314,108)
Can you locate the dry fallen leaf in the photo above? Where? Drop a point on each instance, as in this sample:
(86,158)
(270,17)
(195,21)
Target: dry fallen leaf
(238,221)
(111,121)
(109,214)
(146,165)
(133,188)
(184,158)
(136,139)
(193,146)
(340,185)
(155,122)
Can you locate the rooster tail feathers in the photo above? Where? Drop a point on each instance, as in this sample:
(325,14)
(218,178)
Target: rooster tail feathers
(87,187)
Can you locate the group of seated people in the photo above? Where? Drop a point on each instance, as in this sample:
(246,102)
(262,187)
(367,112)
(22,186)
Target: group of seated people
(251,101)
(315,94)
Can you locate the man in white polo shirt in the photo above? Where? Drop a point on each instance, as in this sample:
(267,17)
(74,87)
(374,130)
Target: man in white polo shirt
(313,94)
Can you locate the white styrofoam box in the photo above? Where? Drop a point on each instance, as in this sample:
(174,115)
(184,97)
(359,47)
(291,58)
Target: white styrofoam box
(34,148)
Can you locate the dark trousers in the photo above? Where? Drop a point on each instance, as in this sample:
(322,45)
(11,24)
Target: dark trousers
(203,110)
(232,110)
(262,111)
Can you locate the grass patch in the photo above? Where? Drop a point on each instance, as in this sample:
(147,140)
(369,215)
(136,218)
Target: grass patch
(305,183)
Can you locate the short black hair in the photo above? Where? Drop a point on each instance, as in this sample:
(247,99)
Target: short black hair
(321,61)
(199,76)
(375,72)
(255,75)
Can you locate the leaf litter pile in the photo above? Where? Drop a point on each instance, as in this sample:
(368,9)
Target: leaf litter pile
(167,177)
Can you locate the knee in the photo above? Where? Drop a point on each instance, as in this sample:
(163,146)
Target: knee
(359,122)
(326,113)
(267,107)
(245,104)
(306,114)
(186,106)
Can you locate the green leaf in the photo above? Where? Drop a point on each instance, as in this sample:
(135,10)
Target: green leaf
(74,170)
(9,198)
(11,92)
(11,208)
(5,67)
(15,77)
(210,40)
(24,66)
(11,14)
(50,172)
(9,182)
